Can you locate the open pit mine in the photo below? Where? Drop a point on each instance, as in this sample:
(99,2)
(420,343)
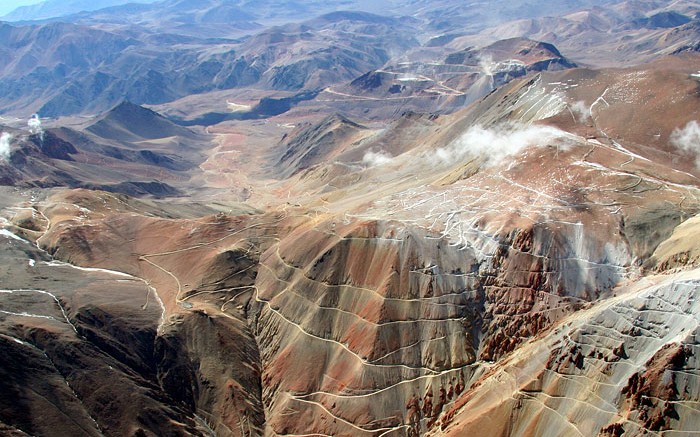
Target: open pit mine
(312,219)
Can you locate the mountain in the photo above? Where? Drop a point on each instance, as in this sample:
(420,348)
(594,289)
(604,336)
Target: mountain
(62,69)
(61,8)
(132,123)
(620,34)
(129,149)
(444,86)
(664,20)
(161,52)
(538,228)
(414,218)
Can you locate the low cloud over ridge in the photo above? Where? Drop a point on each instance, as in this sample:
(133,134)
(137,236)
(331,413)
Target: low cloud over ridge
(5,139)
(500,142)
(687,138)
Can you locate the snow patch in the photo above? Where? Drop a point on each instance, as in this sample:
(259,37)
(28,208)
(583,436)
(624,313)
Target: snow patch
(88,269)
(8,234)
(236,107)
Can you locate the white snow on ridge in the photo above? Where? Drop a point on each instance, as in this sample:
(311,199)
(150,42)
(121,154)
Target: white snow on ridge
(8,234)
(88,269)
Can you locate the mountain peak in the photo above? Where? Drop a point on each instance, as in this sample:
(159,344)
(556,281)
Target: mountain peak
(130,122)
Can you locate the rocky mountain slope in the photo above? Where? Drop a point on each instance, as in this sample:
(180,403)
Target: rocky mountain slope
(459,79)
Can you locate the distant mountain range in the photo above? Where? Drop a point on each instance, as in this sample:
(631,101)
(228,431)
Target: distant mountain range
(60,8)
(157,53)
(60,68)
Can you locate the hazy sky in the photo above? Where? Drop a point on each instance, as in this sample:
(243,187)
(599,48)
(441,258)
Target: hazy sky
(7,6)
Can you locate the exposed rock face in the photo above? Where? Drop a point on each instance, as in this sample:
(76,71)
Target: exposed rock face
(585,370)
(209,363)
(487,295)
(182,375)
(77,360)
(403,327)
(315,144)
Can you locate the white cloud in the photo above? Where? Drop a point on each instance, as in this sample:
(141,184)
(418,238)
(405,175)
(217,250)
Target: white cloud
(488,67)
(34,124)
(687,138)
(5,139)
(372,159)
(580,111)
(497,143)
